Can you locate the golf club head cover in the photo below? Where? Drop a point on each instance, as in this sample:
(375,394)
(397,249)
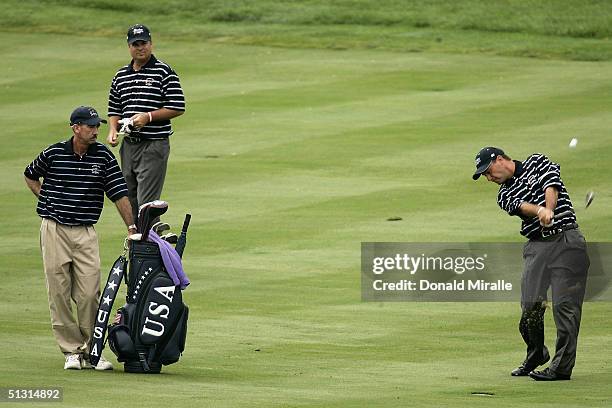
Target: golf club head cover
(148,213)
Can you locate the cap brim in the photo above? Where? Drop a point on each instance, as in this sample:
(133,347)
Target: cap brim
(482,169)
(139,38)
(93,121)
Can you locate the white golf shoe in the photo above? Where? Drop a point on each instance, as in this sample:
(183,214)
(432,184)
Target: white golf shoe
(73,362)
(104,364)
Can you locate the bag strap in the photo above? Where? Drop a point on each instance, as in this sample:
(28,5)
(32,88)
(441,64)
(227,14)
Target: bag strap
(105,307)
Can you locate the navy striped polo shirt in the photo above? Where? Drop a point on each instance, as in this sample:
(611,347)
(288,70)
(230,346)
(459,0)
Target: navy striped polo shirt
(528,184)
(73,187)
(152,87)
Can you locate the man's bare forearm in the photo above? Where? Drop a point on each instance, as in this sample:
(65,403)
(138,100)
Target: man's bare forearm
(551,195)
(545,214)
(33,185)
(125,210)
(165,114)
(143,119)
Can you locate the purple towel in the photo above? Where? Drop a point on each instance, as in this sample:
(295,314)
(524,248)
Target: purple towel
(172,260)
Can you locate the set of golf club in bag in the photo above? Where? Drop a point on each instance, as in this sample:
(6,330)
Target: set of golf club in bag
(149,331)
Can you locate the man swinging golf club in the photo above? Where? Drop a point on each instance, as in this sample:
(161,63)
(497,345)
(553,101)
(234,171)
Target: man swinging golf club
(555,255)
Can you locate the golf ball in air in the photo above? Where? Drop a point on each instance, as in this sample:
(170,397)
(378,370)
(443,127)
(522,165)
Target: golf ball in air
(573,143)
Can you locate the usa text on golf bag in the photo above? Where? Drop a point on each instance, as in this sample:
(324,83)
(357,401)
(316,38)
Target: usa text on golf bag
(109,294)
(153,323)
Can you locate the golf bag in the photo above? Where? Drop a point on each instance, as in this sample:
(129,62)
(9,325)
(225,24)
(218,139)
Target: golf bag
(153,323)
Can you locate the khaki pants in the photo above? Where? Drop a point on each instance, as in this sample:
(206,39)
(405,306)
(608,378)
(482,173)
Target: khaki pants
(71,263)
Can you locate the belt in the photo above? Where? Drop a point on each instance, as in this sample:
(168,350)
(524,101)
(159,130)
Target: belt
(555,231)
(132,139)
(136,140)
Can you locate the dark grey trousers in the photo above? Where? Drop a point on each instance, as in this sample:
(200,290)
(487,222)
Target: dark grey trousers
(144,168)
(560,262)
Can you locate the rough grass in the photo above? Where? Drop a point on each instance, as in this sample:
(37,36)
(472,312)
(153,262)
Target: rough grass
(575,30)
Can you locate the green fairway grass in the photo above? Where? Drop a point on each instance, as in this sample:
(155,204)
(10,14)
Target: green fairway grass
(292,153)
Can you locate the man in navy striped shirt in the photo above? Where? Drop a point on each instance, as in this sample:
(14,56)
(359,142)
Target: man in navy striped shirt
(76,174)
(148,92)
(555,255)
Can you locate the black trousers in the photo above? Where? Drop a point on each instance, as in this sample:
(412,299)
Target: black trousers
(560,262)
(144,167)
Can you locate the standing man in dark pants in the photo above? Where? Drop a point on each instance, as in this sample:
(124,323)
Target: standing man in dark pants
(148,92)
(555,256)
(76,174)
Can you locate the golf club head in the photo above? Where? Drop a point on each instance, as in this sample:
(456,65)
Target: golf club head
(160,227)
(148,213)
(170,237)
(589,199)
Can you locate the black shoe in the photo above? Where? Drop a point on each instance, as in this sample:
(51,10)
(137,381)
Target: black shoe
(520,371)
(524,369)
(548,375)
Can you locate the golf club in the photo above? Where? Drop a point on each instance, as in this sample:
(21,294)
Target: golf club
(563,214)
(558,217)
(160,227)
(170,237)
(589,198)
(182,240)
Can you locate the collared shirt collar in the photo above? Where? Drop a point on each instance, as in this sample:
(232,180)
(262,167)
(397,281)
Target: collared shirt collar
(518,171)
(518,168)
(70,148)
(150,64)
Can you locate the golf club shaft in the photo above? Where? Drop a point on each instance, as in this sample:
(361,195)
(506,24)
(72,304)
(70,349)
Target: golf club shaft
(560,216)
(563,214)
